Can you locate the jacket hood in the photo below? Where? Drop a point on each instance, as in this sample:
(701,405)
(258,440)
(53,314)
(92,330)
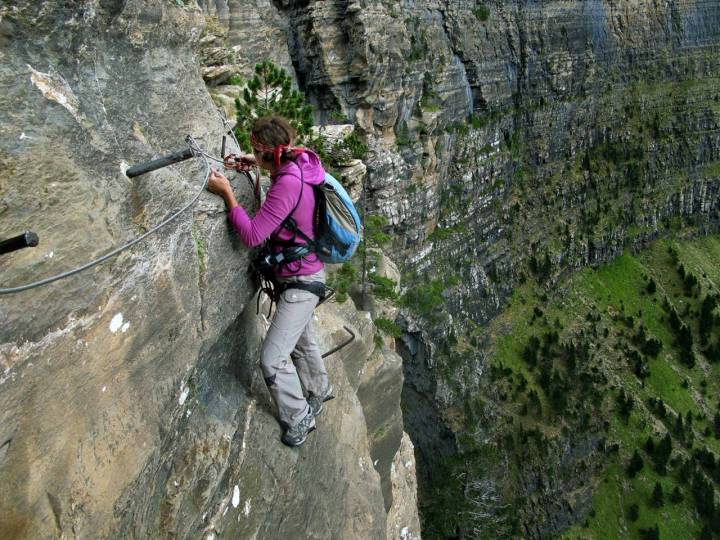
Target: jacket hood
(312,169)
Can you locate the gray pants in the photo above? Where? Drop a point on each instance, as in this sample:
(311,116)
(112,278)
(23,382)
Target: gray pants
(292,336)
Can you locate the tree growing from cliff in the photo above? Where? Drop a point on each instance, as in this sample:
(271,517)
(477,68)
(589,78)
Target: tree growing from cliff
(270,91)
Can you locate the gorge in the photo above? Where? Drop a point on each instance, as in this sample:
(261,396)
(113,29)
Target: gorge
(534,164)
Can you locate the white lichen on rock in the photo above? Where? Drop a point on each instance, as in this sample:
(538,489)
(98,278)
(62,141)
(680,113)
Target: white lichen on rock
(55,88)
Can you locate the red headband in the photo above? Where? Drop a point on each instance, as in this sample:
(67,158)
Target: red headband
(276,150)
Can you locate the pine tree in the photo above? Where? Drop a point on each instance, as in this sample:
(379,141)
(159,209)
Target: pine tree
(652,533)
(703,495)
(651,287)
(657,499)
(633,512)
(635,465)
(625,404)
(675,321)
(650,445)
(707,318)
(530,351)
(685,342)
(712,352)
(715,520)
(270,91)
(686,470)
(662,454)
(676,495)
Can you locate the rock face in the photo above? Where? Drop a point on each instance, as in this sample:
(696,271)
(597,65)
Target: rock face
(222,471)
(507,139)
(130,401)
(594,129)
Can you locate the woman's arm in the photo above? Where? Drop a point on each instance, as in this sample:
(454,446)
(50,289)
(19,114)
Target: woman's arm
(280,201)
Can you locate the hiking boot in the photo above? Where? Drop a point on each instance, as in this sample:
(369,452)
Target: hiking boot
(316,402)
(297,434)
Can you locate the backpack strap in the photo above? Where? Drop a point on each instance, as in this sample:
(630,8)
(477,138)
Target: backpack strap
(290,224)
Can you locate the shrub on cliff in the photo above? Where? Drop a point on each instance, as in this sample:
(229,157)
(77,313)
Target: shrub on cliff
(342,280)
(482,12)
(383,287)
(425,298)
(388,327)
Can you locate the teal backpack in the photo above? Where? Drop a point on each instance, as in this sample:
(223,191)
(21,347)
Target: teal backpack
(336,224)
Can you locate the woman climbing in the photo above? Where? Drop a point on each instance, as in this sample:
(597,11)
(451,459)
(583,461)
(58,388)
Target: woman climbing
(298,387)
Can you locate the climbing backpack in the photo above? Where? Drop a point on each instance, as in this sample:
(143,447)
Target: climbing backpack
(337,229)
(336,222)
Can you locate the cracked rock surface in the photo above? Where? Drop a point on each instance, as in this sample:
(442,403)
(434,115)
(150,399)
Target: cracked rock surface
(131,405)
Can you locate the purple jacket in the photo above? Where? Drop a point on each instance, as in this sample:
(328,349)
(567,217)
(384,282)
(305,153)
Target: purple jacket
(280,201)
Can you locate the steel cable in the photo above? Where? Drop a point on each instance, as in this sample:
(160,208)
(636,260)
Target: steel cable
(198,151)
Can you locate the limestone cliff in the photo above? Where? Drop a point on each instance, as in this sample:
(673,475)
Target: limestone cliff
(130,401)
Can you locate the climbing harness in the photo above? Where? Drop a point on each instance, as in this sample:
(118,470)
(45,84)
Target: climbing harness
(264,263)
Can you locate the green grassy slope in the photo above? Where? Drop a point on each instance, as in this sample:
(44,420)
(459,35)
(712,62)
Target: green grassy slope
(604,309)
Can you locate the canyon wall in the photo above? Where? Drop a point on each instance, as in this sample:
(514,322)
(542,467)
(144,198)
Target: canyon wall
(507,141)
(131,403)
